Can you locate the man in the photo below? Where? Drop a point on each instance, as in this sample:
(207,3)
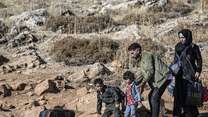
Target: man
(133,97)
(110,96)
(154,72)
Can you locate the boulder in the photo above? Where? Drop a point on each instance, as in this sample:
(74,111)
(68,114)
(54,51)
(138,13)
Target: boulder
(19,86)
(26,60)
(46,86)
(129,32)
(6,90)
(96,70)
(22,38)
(154,3)
(3,60)
(118,6)
(31,19)
(77,76)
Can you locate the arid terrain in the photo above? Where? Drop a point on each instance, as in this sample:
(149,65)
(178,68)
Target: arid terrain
(52,50)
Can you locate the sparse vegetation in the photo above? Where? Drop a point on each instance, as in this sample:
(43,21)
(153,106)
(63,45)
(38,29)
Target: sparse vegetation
(154,15)
(74,36)
(83,51)
(73,24)
(200,34)
(2,5)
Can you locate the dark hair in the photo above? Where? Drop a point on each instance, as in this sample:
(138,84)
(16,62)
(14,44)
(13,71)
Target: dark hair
(128,75)
(134,46)
(98,81)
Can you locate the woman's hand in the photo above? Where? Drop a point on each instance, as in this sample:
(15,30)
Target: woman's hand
(197,75)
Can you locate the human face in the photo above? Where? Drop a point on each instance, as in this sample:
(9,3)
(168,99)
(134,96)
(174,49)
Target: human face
(99,87)
(129,81)
(135,53)
(182,38)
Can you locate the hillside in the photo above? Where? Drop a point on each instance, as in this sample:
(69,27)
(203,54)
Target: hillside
(52,50)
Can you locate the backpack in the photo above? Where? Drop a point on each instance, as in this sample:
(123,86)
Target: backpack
(120,93)
(57,112)
(121,99)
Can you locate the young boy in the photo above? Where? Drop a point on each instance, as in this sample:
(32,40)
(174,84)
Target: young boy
(133,97)
(108,95)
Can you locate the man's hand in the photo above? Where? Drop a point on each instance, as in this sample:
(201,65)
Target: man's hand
(197,75)
(142,88)
(117,105)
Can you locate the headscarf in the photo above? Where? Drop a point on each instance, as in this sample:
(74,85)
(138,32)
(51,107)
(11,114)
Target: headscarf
(188,40)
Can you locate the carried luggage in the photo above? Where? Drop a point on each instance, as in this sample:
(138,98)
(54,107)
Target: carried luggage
(194,93)
(57,112)
(205,94)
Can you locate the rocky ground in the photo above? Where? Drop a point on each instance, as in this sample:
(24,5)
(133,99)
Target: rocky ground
(51,51)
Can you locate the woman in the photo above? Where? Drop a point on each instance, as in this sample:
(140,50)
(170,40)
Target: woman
(191,62)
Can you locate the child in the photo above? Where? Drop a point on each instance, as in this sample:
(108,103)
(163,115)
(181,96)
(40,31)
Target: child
(133,97)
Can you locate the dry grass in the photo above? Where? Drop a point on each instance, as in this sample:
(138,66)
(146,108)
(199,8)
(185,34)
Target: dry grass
(2,5)
(199,32)
(155,15)
(3,29)
(179,7)
(73,24)
(83,51)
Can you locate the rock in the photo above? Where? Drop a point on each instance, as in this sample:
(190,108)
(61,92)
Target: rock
(5,69)
(42,87)
(130,32)
(114,29)
(46,86)
(3,29)
(31,66)
(77,76)
(119,6)
(25,60)
(21,39)
(31,19)
(3,40)
(165,28)
(19,86)
(30,94)
(96,70)
(6,90)
(3,60)
(154,3)
(15,30)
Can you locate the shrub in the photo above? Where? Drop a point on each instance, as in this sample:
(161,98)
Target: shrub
(83,51)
